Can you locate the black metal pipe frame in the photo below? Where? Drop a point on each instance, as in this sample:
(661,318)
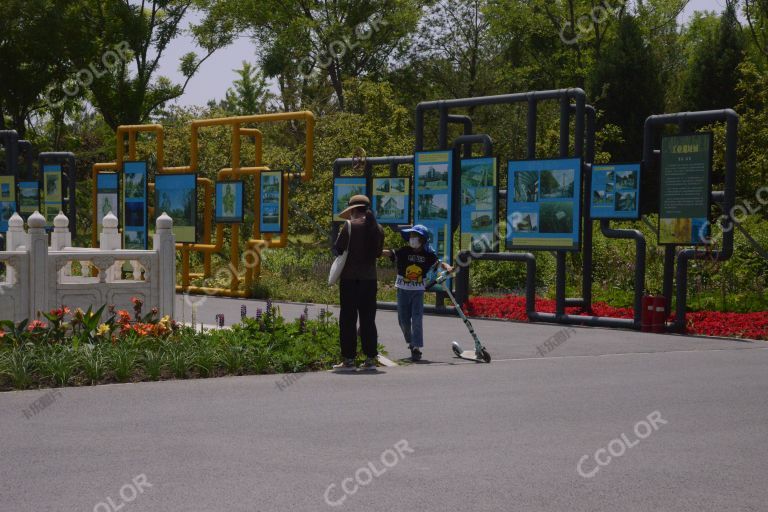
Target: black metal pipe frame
(727,198)
(581,111)
(25,149)
(70,207)
(640,245)
(466,121)
(10,140)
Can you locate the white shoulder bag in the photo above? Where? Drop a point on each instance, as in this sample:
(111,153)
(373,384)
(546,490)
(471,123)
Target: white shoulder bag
(341,259)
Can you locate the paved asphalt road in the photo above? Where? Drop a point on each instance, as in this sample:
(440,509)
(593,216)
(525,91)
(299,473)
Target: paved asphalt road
(446,435)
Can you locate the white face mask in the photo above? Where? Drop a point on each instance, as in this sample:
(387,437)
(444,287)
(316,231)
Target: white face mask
(414,242)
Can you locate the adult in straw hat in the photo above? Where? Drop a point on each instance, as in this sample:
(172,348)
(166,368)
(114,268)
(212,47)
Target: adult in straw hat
(358,283)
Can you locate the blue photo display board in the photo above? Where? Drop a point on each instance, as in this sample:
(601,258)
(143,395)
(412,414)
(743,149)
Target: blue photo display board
(107,196)
(271,214)
(544,204)
(392,200)
(479,209)
(615,191)
(135,205)
(176,195)
(52,193)
(433,182)
(343,189)
(229,202)
(7,200)
(29,198)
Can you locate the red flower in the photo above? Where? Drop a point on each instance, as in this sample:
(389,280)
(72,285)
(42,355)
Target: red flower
(36,324)
(709,323)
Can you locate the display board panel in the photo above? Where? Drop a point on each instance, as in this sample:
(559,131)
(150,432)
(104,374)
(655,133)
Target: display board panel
(271,209)
(7,201)
(229,202)
(343,189)
(433,199)
(479,208)
(544,204)
(29,198)
(176,195)
(392,200)
(52,193)
(615,191)
(685,189)
(135,205)
(107,196)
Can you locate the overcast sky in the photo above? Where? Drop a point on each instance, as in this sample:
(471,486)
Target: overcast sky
(217,73)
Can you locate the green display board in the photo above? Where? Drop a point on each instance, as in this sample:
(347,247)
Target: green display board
(685,189)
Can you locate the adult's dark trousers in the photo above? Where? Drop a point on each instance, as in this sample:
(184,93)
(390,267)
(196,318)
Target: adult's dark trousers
(358,300)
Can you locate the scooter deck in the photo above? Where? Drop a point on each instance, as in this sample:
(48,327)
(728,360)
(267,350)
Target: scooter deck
(470,355)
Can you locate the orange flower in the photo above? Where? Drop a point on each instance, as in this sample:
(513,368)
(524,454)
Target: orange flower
(124,316)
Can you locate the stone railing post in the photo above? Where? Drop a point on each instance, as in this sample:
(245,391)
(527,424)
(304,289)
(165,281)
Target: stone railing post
(15,239)
(165,244)
(109,240)
(38,265)
(61,238)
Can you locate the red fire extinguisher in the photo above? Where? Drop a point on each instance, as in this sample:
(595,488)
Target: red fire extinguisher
(659,314)
(647,313)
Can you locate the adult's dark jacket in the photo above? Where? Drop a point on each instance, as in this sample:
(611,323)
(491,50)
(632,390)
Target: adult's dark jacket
(361,262)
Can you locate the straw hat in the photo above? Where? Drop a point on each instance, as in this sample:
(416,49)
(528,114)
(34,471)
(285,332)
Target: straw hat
(356,201)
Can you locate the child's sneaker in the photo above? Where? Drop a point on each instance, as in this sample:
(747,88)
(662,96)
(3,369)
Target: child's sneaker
(348,365)
(369,364)
(415,354)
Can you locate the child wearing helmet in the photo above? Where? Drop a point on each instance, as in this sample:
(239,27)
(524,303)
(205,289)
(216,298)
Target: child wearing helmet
(413,262)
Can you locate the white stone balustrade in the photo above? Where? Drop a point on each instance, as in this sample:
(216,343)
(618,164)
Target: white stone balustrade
(39,277)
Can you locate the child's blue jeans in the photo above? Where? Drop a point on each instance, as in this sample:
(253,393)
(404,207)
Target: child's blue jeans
(410,314)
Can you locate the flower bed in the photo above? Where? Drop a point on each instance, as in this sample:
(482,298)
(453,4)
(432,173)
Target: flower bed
(75,348)
(709,323)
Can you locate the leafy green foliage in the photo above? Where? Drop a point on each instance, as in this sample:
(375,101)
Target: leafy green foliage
(267,344)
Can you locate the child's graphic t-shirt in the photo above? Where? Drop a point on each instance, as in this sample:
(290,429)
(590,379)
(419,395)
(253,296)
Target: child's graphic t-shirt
(412,267)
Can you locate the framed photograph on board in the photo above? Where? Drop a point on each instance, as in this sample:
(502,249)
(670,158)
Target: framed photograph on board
(29,198)
(343,190)
(392,200)
(176,195)
(271,208)
(135,235)
(229,202)
(107,195)
(615,191)
(479,205)
(544,204)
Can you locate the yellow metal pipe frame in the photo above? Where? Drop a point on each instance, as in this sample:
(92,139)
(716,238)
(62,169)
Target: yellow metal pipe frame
(235,171)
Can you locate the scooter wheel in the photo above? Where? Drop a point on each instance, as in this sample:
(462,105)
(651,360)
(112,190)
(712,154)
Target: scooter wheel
(486,356)
(456,348)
